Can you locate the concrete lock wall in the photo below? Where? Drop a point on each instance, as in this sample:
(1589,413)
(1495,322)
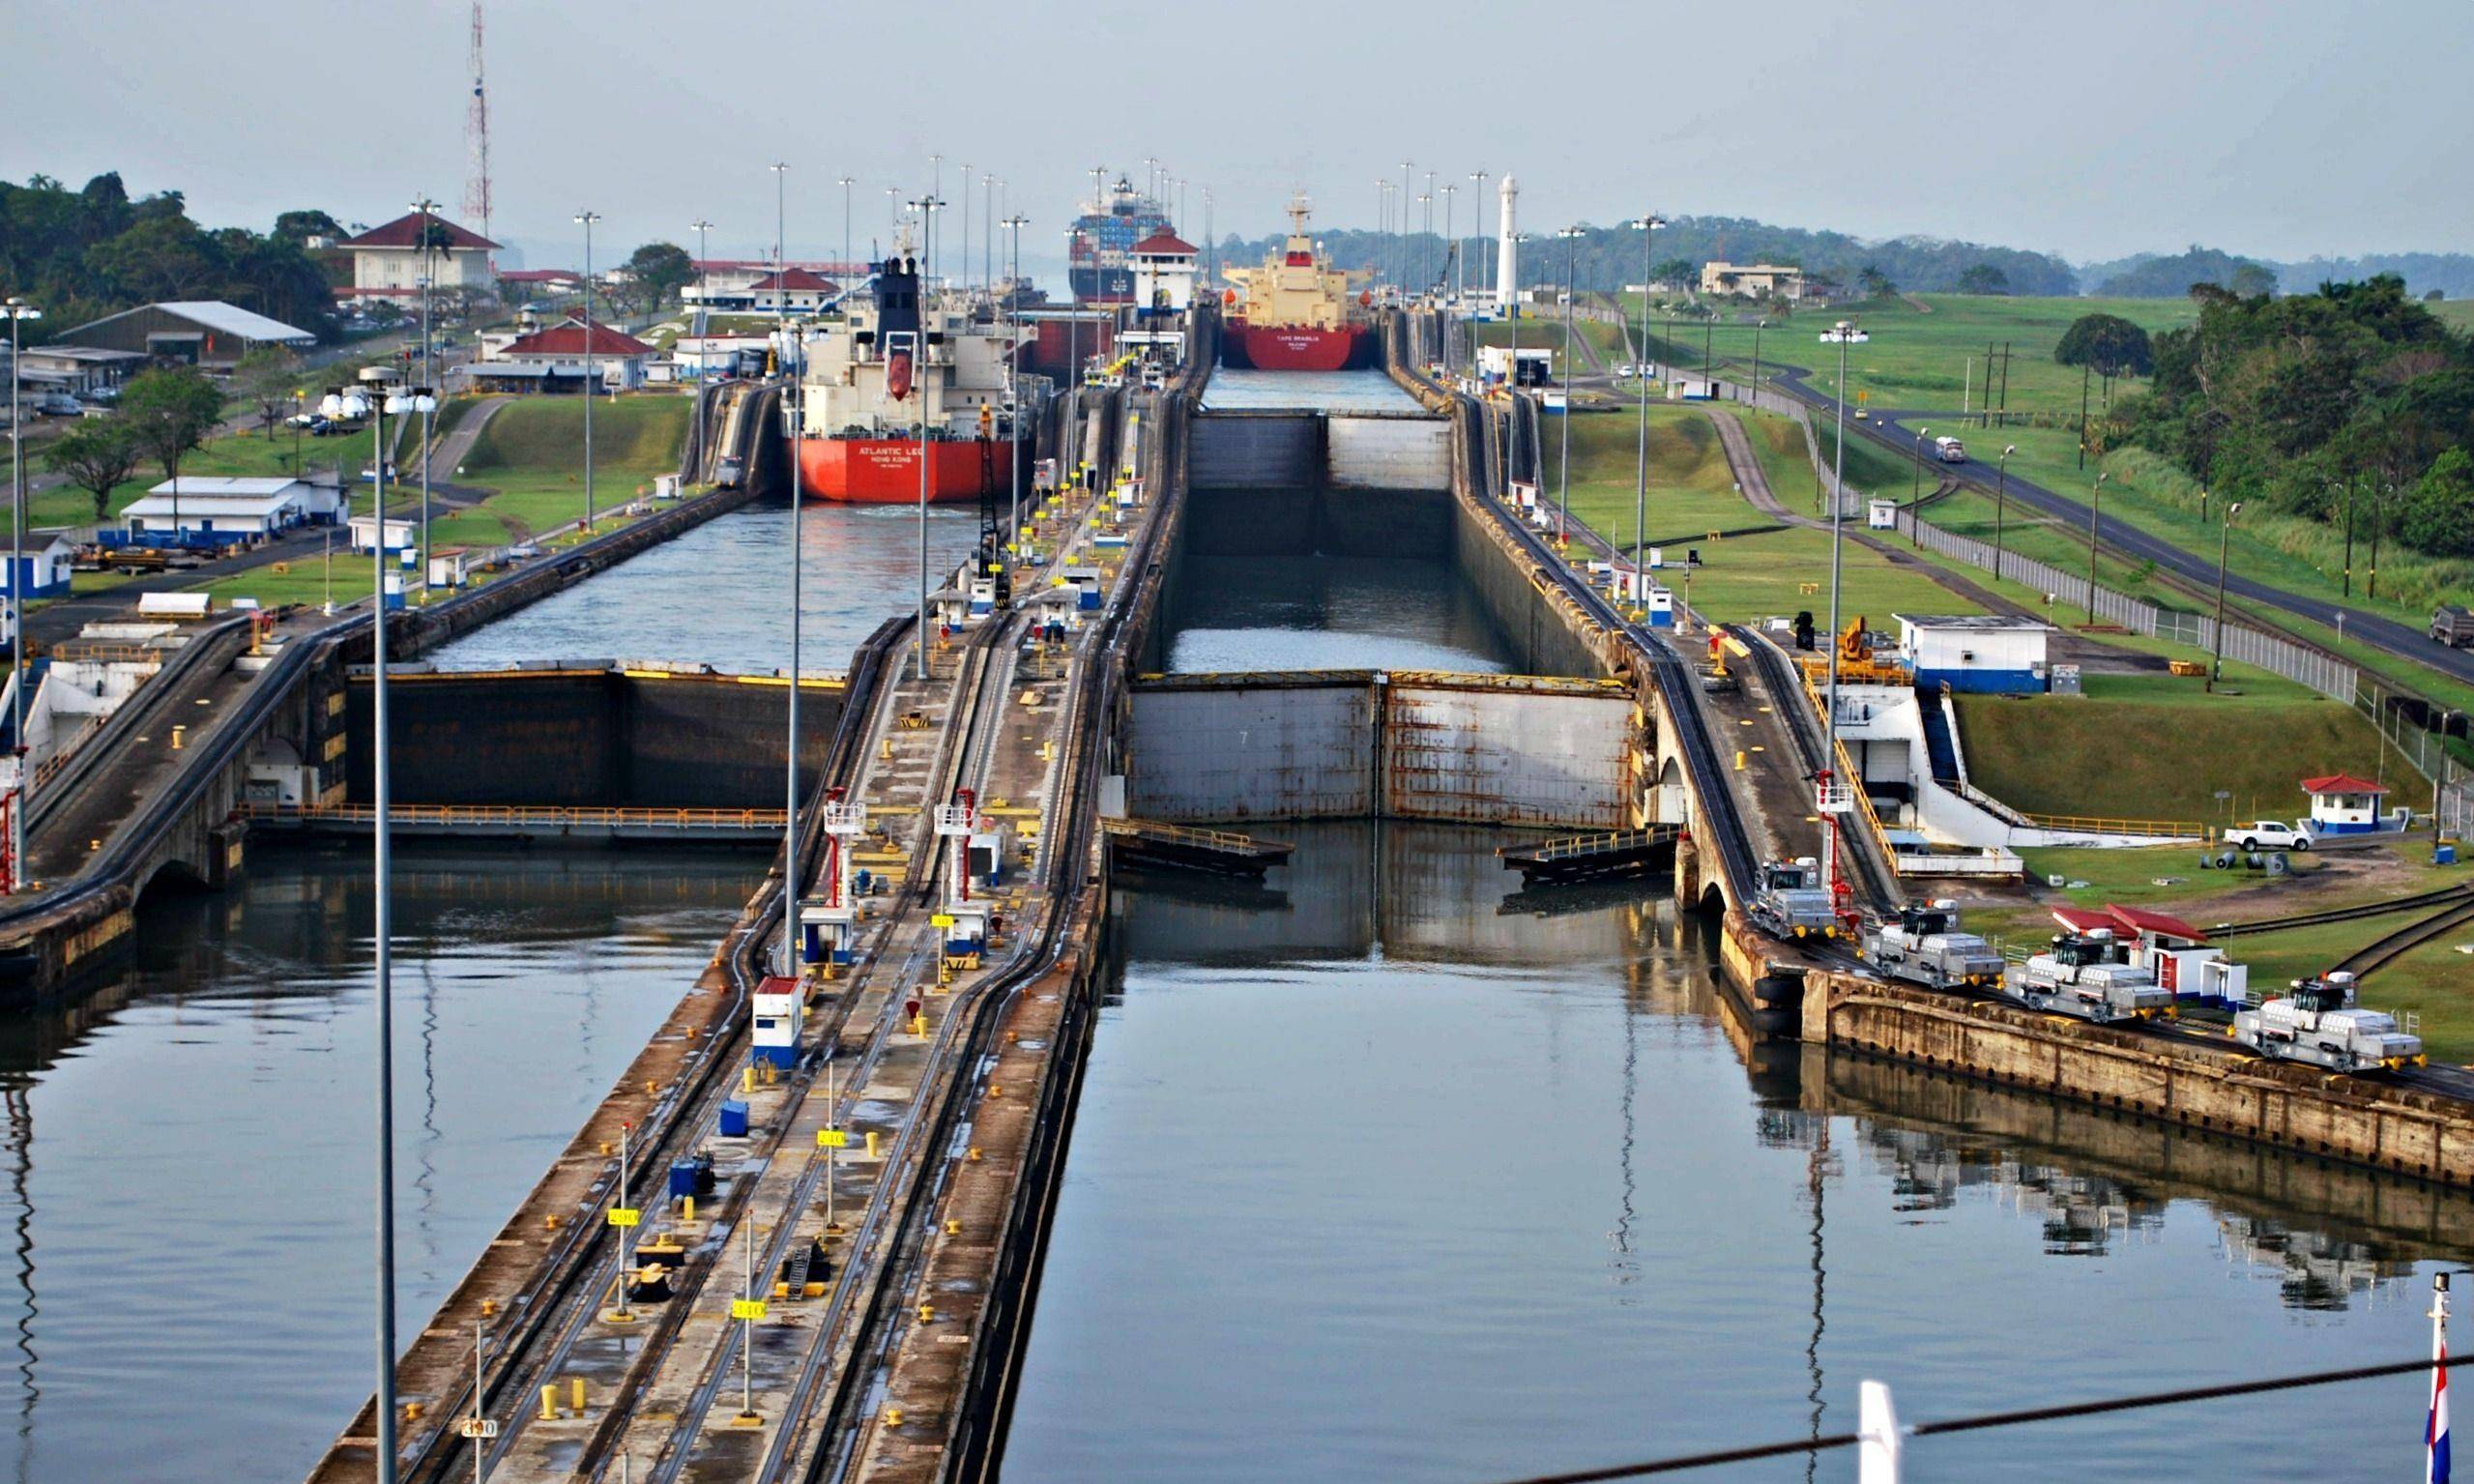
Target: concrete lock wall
(1248,452)
(586,738)
(1484,749)
(1389,453)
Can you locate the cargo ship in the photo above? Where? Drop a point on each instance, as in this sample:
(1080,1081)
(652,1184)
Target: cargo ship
(1100,257)
(1295,314)
(907,353)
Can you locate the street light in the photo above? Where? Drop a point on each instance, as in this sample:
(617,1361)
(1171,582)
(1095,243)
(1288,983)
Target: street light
(793,365)
(1405,166)
(428,210)
(2223,540)
(1477,203)
(19,311)
(385,398)
(591,370)
(1013,400)
(1915,482)
(1648,226)
(2095,504)
(1844,333)
(2000,502)
(1563,462)
(704,340)
(1458,270)
(846,182)
(1512,379)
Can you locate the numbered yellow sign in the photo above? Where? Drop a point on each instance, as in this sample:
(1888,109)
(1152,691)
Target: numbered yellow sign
(942,919)
(624,1215)
(832,1139)
(748,1308)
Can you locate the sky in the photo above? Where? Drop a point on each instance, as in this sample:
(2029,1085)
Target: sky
(2096,130)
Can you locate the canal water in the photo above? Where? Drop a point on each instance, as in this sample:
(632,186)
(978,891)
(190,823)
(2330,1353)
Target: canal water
(1318,611)
(188,1160)
(1388,1168)
(721,594)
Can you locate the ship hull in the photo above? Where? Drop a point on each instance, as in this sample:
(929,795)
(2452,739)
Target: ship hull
(886,471)
(1295,348)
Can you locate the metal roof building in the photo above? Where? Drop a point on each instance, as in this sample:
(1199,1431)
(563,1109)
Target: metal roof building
(202,332)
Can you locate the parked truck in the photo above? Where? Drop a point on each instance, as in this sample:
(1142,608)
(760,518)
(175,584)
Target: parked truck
(2453,626)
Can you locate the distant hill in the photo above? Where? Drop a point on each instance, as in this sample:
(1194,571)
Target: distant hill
(2150,276)
(1608,258)
(2450,273)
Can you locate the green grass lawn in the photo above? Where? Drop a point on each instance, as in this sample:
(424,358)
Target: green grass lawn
(1917,359)
(2160,747)
(531,455)
(1691,490)
(241,455)
(1546,331)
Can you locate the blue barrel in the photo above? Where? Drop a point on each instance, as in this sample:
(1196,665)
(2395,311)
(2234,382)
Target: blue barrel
(734,1120)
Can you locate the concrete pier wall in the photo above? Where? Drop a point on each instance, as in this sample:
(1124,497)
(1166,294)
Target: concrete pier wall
(1388,453)
(1484,749)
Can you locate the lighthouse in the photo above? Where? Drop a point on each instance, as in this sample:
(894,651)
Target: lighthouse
(1504,250)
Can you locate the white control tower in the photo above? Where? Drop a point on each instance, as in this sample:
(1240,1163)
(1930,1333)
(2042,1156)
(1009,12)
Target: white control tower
(1505,264)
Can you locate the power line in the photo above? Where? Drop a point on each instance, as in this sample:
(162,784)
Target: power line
(1992,1419)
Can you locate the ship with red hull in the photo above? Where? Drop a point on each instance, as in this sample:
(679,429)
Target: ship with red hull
(1295,313)
(912,372)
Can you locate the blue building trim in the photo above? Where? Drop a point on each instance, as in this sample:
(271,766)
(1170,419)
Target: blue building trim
(1984,682)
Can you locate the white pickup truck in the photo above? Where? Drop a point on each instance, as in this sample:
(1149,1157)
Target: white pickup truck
(2268,834)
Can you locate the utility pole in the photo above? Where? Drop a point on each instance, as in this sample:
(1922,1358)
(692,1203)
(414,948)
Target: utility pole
(2095,506)
(586,219)
(428,210)
(1564,461)
(2000,500)
(2083,368)
(2225,539)
(19,311)
(1649,225)
(704,341)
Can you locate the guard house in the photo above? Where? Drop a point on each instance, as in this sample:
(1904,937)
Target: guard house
(1881,514)
(1164,272)
(364,532)
(1535,367)
(2178,954)
(49,556)
(778,1005)
(1975,652)
(2342,804)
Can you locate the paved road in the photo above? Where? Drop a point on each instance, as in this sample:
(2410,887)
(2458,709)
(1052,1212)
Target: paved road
(2408,643)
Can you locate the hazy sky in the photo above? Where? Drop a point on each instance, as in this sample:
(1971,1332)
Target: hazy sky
(2093,130)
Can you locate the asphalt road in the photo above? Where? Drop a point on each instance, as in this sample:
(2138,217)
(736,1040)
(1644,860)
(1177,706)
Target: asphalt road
(2411,645)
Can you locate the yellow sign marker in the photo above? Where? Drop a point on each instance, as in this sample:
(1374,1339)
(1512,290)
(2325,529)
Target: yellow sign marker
(624,1215)
(832,1139)
(942,919)
(748,1308)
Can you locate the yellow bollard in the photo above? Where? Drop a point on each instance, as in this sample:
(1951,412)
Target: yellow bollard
(575,1393)
(176,736)
(1739,760)
(893,1416)
(954,1229)
(747,1079)
(871,1145)
(928,1313)
(550,1222)
(411,1411)
(996,1090)
(605,1147)
(550,1402)
(918,1025)
(689,1214)
(974,1154)
(489,1307)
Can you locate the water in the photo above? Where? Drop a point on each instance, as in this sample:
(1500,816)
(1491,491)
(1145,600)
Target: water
(1345,391)
(719,595)
(1322,612)
(188,1147)
(1389,1171)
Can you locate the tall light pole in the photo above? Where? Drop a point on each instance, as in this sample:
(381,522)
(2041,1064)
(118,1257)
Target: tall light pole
(1477,203)
(19,311)
(384,399)
(1013,395)
(1403,225)
(936,187)
(1915,479)
(1649,225)
(845,182)
(2001,494)
(1449,188)
(428,210)
(591,368)
(1845,334)
(965,229)
(794,364)
(781,247)
(1564,461)
(2095,504)
(2223,540)
(704,341)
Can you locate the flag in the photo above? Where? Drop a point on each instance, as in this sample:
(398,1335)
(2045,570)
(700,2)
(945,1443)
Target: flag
(2435,1431)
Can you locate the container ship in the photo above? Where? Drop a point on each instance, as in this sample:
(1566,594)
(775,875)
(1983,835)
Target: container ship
(1099,258)
(904,352)
(1295,314)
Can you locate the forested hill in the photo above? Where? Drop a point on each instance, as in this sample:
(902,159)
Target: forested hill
(1607,257)
(81,254)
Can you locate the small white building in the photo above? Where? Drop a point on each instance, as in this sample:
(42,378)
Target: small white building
(1975,652)
(364,531)
(555,360)
(390,261)
(51,556)
(730,283)
(1163,264)
(792,290)
(228,504)
(1536,363)
(1760,280)
(2342,804)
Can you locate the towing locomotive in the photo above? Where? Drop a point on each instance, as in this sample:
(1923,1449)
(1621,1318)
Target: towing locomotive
(1925,947)
(1790,900)
(2318,1021)
(2090,976)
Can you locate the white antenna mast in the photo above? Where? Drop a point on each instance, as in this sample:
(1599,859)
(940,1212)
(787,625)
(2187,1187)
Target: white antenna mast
(476,138)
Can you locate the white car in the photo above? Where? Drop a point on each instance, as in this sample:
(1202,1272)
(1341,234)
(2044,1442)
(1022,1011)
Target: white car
(2268,834)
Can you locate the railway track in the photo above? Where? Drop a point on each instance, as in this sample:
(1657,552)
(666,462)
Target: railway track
(2367,910)
(2387,949)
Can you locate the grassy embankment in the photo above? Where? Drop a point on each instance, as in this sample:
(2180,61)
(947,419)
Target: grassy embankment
(1545,331)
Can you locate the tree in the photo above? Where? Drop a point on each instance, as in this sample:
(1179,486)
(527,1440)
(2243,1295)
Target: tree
(2252,280)
(2108,344)
(1984,278)
(659,271)
(298,226)
(2435,296)
(267,377)
(1673,270)
(1875,283)
(2439,510)
(97,454)
(170,412)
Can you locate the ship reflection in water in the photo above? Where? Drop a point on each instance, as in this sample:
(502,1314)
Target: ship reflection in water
(1392,1170)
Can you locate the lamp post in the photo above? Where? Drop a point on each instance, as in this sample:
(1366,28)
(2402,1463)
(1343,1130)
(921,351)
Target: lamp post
(1563,461)
(1512,383)
(1405,166)
(1845,334)
(793,365)
(2349,533)
(846,182)
(1477,203)
(1649,225)
(965,229)
(2095,504)
(704,341)
(591,368)
(428,210)
(384,399)
(2223,540)
(19,311)
(1759,326)
(1449,187)
(2000,502)
(1915,482)
(1013,398)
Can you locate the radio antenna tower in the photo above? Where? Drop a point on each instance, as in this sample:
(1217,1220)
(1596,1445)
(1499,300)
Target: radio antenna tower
(477,139)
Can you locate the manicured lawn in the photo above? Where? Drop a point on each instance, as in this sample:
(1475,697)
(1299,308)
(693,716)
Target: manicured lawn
(1546,331)
(1691,490)
(246,454)
(531,454)
(1922,360)
(2150,750)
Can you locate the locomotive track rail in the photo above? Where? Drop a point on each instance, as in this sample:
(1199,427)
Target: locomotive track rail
(2367,910)
(2384,950)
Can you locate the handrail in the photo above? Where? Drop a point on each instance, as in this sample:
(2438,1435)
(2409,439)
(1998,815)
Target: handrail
(2097,824)
(1566,846)
(1187,834)
(516,814)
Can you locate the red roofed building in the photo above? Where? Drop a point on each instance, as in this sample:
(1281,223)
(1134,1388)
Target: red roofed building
(390,261)
(2342,804)
(792,289)
(555,360)
(725,284)
(1163,264)
(2175,951)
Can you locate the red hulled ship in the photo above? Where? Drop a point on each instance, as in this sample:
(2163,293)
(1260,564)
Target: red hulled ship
(1295,313)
